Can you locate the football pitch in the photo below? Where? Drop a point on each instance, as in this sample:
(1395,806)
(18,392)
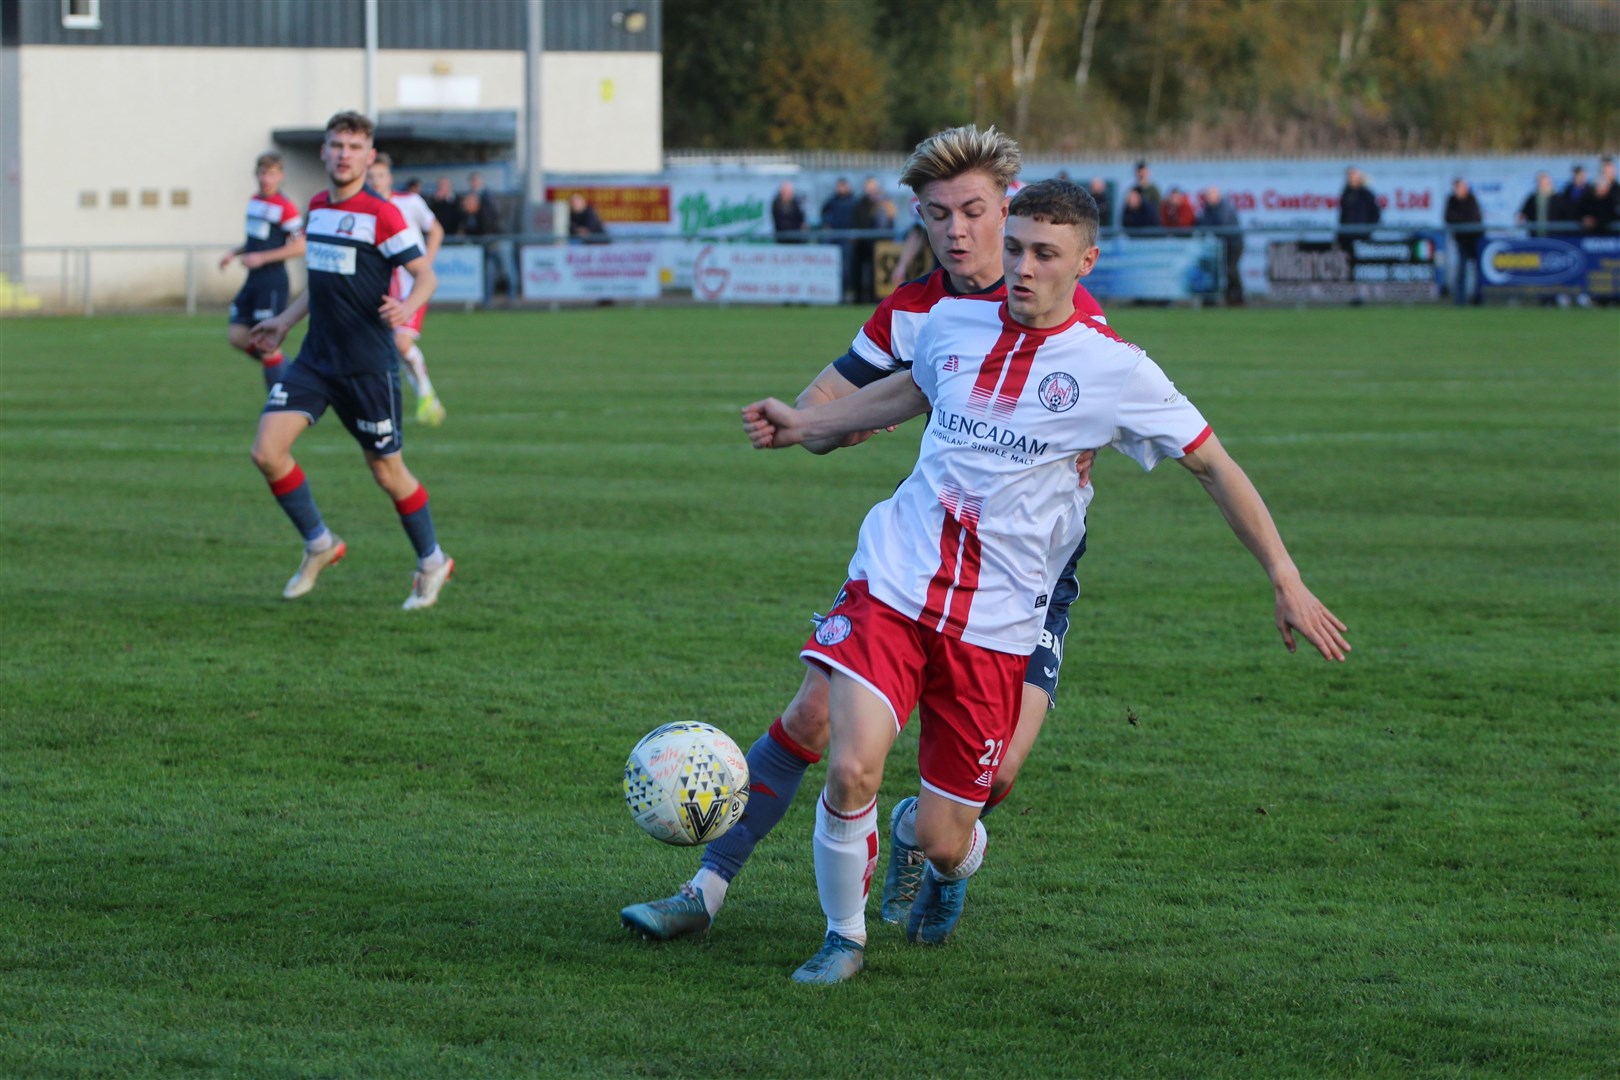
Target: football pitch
(241,836)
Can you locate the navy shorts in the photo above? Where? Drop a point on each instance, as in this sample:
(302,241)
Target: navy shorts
(368,404)
(258,301)
(1047,660)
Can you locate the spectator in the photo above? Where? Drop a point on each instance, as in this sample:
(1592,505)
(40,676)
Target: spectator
(444,205)
(473,223)
(873,213)
(1600,206)
(489,214)
(787,215)
(584,223)
(500,257)
(1220,218)
(1146,187)
(1177,212)
(838,214)
(1463,221)
(1578,186)
(1105,203)
(1545,206)
(1138,217)
(1358,208)
(413,186)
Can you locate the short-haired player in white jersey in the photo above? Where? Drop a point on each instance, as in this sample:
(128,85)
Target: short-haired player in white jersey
(380,178)
(961,177)
(951,573)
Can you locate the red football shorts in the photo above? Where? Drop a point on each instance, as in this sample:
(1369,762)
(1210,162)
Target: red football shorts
(966,696)
(412,326)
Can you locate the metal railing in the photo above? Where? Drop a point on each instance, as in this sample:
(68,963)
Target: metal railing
(87,278)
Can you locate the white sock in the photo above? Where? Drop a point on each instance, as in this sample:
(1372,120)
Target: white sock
(971,861)
(713,888)
(320,543)
(417,364)
(432,560)
(905,830)
(846,852)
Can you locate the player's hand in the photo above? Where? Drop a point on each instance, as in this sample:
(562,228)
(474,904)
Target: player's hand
(266,335)
(771,424)
(1082,466)
(393,312)
(253,259)
(225,259)
(1298,609)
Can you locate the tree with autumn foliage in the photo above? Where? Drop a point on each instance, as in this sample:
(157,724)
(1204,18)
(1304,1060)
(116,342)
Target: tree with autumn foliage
(1246,76)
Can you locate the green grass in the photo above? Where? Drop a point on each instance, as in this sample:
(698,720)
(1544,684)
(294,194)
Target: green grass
(242,837)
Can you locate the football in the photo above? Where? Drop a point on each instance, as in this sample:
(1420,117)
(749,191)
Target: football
(686,783)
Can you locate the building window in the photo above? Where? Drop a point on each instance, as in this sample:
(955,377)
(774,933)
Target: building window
(81,14)
(118,198)
(180,197)
(87,200)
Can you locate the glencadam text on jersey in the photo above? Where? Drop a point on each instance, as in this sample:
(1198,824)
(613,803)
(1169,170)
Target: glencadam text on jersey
(985,432)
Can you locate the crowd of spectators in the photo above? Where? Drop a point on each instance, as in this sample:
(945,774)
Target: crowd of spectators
(1580,206)
(475,216)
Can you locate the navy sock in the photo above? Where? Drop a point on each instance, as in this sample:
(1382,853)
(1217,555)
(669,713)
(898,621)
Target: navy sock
(274,365)
(995,801)
(418,521)
(776,765)
(292,492)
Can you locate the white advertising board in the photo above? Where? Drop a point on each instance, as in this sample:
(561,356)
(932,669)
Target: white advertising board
(768,274)
(590,271)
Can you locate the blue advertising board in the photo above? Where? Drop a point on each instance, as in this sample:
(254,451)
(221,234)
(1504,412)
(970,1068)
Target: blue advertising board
(1158,268)
(460,269)
(1545,266)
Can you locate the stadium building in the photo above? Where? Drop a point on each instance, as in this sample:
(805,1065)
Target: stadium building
(136,122)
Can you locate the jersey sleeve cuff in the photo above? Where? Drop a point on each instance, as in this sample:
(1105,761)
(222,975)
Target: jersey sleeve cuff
(858,371)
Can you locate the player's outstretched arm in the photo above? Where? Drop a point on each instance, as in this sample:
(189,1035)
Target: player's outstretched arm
(1246,513)
(292,249)
(771,424)
(267,335)
(830,385)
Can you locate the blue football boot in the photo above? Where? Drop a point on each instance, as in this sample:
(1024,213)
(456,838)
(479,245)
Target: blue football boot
(839,959)
(905,871)
(936,911)
(680,915)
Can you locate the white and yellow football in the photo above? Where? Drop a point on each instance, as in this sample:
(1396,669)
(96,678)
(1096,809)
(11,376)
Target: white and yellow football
(686,783)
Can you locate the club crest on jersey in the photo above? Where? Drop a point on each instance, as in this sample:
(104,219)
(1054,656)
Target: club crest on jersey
(833,629)
(346,225)
(1059,391)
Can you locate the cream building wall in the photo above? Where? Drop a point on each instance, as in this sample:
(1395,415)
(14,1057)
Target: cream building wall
(177,131)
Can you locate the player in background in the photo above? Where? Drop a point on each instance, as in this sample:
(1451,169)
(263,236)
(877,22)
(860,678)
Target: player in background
(951,573)
(429,410)
(348,362)
(275,233)
(961,177)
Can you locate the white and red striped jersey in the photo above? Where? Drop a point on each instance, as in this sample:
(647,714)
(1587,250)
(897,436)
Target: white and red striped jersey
(972,542)
(888,340)
(416,212)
